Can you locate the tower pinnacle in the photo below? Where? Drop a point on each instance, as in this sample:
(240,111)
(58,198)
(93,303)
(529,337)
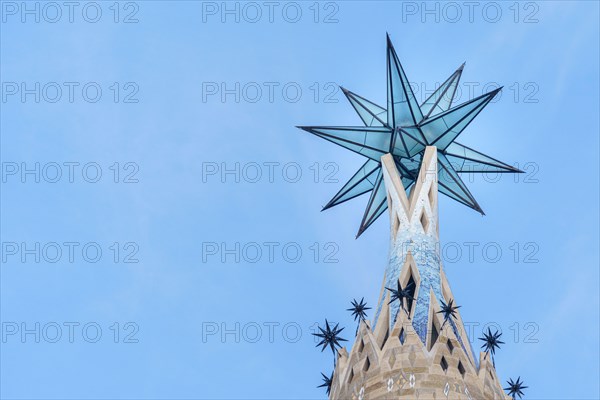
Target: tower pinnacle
(412,351)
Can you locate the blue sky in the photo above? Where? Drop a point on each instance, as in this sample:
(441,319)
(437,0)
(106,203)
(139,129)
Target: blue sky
(172,210)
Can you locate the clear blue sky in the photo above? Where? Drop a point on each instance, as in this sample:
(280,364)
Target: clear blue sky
(171,210)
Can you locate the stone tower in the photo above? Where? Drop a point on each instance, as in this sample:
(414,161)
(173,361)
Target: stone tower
(409,353)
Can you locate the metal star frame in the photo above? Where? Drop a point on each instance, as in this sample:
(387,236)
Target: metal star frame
(491,342)
(401,294)
(359,309)
(327,380)
(404,129)
(448,311)
(515,388)
(329,337)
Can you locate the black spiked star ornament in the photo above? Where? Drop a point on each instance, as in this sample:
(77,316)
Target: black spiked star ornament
(326,382)
(449,311)
(515,388)
(359,309)
(491,342)
(329,337)
(401,294)
(404,128)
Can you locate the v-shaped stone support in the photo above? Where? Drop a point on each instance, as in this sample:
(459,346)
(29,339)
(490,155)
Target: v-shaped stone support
(415,255)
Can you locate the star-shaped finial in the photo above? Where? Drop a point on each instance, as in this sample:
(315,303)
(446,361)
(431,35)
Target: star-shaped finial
(491,342)
(404,129)
(326,382)
(359,309)
(448,310)
(401,294)
(515,388)
(329,337)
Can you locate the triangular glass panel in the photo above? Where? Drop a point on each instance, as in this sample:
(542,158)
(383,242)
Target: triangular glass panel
(372,142)
(403,108)
(441,99)
(362,182)
(376,206)
(370,113)
(412,141)
(442,129)
(449,180)
(465,159)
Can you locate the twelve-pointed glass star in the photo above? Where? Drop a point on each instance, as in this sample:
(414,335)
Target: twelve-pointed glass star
(404,129)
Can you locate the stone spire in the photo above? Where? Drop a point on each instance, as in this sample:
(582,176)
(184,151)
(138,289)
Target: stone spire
(410,352)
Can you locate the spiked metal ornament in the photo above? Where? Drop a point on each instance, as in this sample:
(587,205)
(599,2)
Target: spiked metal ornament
(491,342)
(326,382)
(401,294)
(359,309)
(404,129)
(515,388)
(449,311)
(329,337)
